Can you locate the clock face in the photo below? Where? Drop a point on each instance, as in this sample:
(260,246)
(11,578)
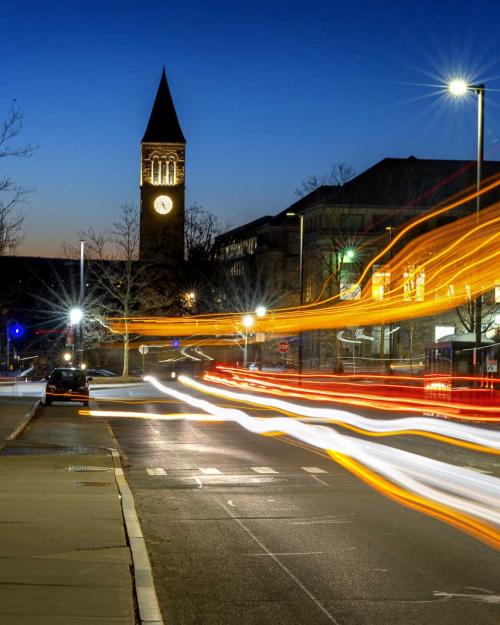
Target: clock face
(163,204)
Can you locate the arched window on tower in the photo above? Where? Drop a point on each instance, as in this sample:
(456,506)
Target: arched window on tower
(155,171)
(171,171)
(163,172)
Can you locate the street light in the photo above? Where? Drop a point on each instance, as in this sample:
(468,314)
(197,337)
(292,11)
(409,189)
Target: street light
(301,278)
(459,88)
(261,311)
(247,322)
(75,316)
(75,319)
(67,357)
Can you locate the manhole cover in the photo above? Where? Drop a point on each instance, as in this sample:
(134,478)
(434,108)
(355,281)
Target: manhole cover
(83,469)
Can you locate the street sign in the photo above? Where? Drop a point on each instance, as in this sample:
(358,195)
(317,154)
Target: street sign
(143,350)
(283,347)
(491,366)
(260,337)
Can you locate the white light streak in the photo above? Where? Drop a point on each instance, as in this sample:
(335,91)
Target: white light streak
(466,491)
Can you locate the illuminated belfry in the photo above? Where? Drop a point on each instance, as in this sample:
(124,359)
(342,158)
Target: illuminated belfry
(163,150)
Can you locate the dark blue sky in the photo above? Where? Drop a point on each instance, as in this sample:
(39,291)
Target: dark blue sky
(267,93)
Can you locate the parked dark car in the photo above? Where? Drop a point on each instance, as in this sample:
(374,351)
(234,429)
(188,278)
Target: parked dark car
(67,385)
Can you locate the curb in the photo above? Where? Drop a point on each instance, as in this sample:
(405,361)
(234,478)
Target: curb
(26,419)
(149,609)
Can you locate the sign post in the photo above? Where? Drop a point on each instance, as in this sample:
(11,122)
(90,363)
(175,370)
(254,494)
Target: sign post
(283,347)
(143,350)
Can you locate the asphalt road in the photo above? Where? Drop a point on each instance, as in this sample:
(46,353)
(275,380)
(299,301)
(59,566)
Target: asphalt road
(249,529)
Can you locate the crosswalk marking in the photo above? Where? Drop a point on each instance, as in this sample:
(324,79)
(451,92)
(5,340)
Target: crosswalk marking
(156,471)
(209,471)
(314,470)
(214,471)
(263,470)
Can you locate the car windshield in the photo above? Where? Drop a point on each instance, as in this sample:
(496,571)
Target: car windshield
(67,375)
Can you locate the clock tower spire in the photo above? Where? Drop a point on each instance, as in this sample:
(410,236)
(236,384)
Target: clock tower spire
(163,149)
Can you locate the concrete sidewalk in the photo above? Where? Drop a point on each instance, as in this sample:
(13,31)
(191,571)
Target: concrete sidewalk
(13,411)
(64,557)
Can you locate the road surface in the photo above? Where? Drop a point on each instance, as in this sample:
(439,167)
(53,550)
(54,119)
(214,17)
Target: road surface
(250,529)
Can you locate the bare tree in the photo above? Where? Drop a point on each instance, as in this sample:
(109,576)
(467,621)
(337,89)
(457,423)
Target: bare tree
(338,175)
(200,229)
(121,285)
(11,215)
(466,313)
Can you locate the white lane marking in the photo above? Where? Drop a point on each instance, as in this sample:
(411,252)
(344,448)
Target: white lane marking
(198,481)
(209,471)
(263,470)
(156,471)
(314,470)
(482,598)
(286,553)
(320,521)
(279,563)
(318,479)
(381,570)
(230,503)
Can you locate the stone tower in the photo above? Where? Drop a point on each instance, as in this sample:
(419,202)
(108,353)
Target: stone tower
(163,150)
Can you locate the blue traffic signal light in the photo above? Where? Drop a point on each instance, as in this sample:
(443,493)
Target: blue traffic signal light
(16,331)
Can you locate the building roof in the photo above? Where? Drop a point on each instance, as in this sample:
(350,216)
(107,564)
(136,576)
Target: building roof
(163,125)
(400,182)
(242,232)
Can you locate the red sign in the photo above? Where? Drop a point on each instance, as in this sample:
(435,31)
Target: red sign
(283,346)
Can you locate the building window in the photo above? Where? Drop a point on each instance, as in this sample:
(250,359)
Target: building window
(163,172)
(155,169)
(171,171)
(414,285)
(381,283)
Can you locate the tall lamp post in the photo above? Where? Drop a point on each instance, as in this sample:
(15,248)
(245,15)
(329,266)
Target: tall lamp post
(301,276)
(459,88)
(81,298)
(247,322)
(75,319)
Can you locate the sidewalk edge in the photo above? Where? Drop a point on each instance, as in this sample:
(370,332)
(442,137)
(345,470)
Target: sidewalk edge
(26,419)
(149,608)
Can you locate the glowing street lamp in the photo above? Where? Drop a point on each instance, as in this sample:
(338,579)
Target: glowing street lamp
(458,87)
(67,357)
(75,316)
(247,322)
(261,311)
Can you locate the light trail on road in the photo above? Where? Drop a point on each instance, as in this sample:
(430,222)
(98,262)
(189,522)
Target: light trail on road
(453,264)
(392,397)
(461,497)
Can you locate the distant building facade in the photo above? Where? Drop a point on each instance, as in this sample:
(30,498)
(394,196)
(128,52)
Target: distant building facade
(344,228)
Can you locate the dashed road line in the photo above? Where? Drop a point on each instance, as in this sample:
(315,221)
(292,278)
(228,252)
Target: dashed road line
(209,471)
(313,470)
(263,470)
(156,471)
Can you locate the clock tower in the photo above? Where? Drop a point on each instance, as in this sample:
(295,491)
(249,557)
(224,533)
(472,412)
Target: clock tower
(163,150)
